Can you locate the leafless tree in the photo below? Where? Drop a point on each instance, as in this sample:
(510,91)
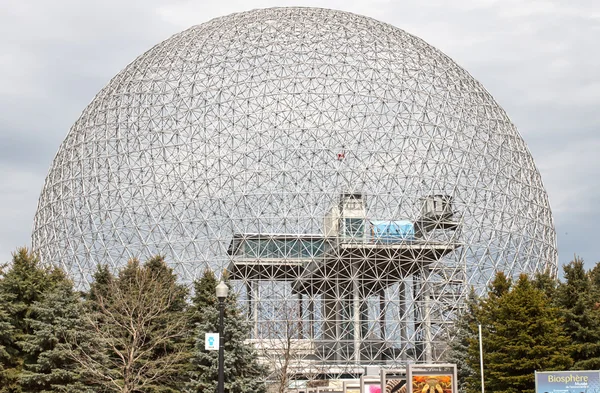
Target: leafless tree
(285,346)
(135,331)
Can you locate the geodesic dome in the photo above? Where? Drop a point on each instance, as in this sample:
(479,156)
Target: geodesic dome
(353,179)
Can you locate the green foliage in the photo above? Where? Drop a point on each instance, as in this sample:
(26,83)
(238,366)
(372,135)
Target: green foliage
(522,332)
(595,280)
(22,285)
(577,297)
(547,283)
(243,373)
(499,286)
(54,320)
(204,299)
(135,331)
(8,353)
(102,279)
(465,334)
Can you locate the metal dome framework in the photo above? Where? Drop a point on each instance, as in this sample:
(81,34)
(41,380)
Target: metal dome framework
(354,180)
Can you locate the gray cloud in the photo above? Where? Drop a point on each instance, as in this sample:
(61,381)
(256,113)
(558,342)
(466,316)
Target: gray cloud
(539,59)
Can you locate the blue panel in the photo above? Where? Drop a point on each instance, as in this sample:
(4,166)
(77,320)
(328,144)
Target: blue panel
(392,231)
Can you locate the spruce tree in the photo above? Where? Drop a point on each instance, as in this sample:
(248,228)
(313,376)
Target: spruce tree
(243,373)
(465,334)
(577,297)
(179,342)
(102,279)
(483,312)
(205,297)
(522,333)
(23,284)
(7,344)
(55,321)
(547,283)
(595,280)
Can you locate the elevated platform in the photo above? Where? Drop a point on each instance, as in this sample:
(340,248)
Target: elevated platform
(315,263)
(377,265)
(267,256)
(280,269)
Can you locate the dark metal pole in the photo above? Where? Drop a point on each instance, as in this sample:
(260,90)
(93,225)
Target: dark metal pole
(221,383)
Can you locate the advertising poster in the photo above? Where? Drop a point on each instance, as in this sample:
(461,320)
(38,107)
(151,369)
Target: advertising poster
(372,387)
(393,381)
(394,385)
(432,383)
(567,382)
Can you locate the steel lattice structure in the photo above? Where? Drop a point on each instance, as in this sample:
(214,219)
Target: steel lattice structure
(353,179)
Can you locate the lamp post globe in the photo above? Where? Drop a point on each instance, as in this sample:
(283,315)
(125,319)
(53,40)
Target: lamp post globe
(222,290)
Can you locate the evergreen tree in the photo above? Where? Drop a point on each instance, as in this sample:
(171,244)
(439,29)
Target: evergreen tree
(7,340)
(522,333)
(483,312)
(22,285)
(205,297)
(465,334)
(243,373)
(54,320)
(180,342)
(102,279)
(547,283)
(577,298)
(500,286)
(595,280)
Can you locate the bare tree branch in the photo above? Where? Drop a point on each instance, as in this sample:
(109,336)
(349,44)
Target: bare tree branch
(131,328)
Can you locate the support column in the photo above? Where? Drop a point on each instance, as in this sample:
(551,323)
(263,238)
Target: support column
(364,317)
(252,311)
(249,299)
(356,320)
(255,301)
(382,309)
(402,318)
(418,317)
(300,317)
(311,317)
(329,315)
(427,320)
(382,314)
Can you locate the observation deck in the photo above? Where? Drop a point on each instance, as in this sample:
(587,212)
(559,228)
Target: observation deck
(314,262)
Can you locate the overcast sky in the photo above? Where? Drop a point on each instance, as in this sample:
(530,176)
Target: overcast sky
(539,59)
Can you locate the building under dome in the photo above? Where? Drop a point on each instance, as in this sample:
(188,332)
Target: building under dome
(354,180)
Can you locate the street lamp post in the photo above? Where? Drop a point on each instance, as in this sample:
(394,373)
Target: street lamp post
(481,359)
(222,290)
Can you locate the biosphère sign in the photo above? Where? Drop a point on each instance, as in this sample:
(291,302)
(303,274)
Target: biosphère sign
(567,382)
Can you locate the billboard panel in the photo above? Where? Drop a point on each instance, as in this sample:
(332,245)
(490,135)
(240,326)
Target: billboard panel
(394,385)
(392,380)
(567,382)
(432,383)
(431,378)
